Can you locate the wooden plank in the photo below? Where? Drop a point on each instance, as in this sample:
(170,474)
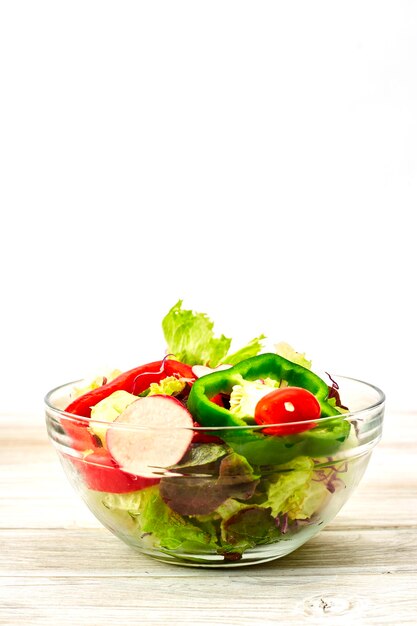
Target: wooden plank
(220,600)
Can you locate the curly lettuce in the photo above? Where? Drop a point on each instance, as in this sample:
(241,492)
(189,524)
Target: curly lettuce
(246,395)
(293,492)
(168,529)
(190,337)
(168,386)
(107,410)
(285,350)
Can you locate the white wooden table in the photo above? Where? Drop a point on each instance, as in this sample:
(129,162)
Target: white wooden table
(59,568)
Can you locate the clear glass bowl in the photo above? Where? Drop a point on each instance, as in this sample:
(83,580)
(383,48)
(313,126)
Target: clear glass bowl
(218,508)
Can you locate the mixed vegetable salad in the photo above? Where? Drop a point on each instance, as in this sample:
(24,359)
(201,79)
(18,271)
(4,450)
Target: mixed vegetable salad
(206,450)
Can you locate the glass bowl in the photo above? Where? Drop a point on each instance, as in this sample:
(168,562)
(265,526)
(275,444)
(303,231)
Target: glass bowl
(232,500)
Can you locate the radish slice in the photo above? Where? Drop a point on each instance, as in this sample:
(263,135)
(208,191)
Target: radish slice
(203,370)
(159,436)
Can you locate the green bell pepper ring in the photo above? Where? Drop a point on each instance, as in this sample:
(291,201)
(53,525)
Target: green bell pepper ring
(257,447)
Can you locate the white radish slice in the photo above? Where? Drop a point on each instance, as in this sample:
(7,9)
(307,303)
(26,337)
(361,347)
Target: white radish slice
(203,370)
(159,436)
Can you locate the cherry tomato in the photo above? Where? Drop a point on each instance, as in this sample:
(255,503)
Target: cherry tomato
(101,473)
(285,405)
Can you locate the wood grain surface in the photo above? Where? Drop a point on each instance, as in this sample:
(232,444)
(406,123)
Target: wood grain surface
(58,566)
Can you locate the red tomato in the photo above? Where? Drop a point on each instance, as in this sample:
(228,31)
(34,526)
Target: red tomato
(284,405)
(101,473)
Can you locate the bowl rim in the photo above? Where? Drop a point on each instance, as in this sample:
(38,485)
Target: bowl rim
(346,416)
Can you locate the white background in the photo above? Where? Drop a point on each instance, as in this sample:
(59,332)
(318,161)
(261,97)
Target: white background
(257,159)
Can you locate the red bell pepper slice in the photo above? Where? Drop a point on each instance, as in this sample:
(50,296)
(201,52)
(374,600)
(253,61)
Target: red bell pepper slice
(101,473)
(133,381)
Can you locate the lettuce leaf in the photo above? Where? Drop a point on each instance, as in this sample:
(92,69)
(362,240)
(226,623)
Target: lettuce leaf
(168,386)
(107,410)
(285,350)
(129,502)
(248,527)
(201,454)
(245,525)
(246,395)
(315,497)
(190,337)
(287,490)
(167,529)
(252,349)
(89,384)
(200,493)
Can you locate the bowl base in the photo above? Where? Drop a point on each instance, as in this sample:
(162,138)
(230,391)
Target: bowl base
(257,556)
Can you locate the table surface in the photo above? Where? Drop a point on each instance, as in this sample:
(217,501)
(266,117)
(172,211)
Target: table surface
(58,566)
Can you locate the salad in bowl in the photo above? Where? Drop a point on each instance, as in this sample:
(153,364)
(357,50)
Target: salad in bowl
(214,458)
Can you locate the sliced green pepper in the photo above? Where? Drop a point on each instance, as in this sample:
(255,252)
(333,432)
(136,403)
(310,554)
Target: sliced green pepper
(258,448)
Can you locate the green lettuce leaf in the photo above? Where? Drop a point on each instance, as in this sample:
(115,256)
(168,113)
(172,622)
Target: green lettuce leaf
(190,337)
(168,530)
(168,386)
(107,410)
(129,502)
(252,349)
(287,490)
(246,395)
(285,350)
(315,497)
